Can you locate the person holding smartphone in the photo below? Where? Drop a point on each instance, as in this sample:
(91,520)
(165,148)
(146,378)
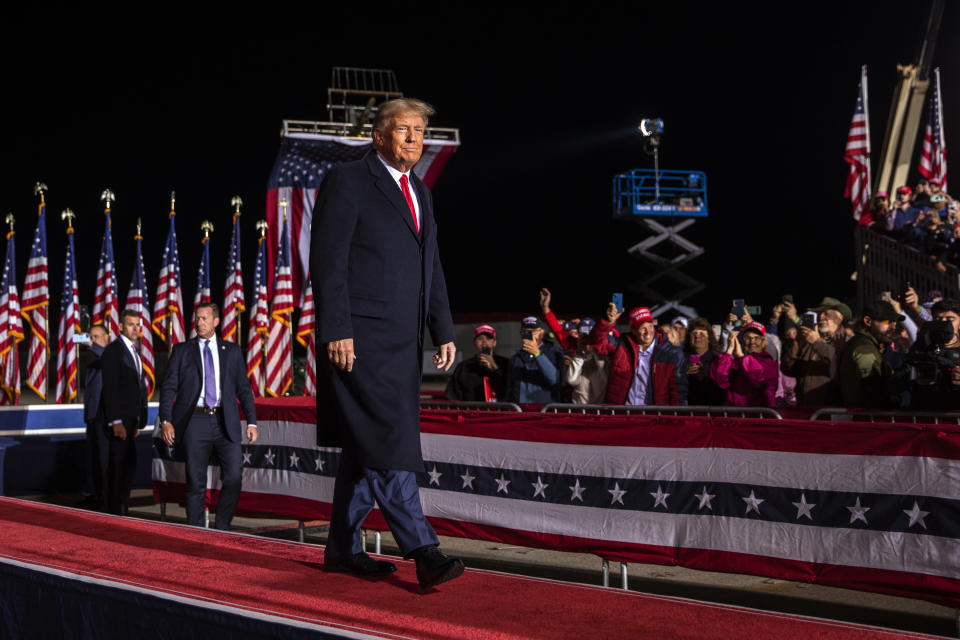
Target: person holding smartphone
(535,369)
(482,378)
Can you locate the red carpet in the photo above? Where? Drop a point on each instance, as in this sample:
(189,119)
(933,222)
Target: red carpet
(284,580)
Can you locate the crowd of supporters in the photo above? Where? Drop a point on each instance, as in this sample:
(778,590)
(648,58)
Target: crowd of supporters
(899,351)
(926,218)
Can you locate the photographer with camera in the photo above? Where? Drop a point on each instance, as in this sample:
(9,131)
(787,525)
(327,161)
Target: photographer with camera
(534,373)
(482,377)
(934,360)
(746,370)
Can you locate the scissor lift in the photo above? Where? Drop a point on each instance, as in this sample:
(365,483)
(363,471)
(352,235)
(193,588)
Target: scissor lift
(678,198)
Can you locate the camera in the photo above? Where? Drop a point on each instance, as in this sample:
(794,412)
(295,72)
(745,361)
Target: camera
(486,351)
(929,363)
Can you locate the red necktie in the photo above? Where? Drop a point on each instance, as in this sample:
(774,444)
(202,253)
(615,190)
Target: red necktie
(406,194)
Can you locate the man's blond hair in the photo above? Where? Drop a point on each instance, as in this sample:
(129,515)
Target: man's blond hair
(393,108)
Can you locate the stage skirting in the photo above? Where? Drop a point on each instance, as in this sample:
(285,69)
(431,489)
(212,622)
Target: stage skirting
(857,505)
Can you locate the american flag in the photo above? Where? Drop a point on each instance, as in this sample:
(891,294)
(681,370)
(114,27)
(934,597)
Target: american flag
(857,154)
(305,336)
(279,367)
(11,328)
(933,156)
(168,307)
(233,302)
(106,309)
(138,301)
(203,285)
(298,171)
(35,303)
(259,322)
(69,327)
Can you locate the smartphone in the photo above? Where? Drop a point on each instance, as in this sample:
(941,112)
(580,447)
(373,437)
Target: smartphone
(486,351)
(694,358)
(617,299)
(754,310)
(809,320)
(527,334)
(738,307)
(787,297)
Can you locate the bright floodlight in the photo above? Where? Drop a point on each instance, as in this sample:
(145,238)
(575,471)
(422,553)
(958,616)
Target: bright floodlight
(651,127)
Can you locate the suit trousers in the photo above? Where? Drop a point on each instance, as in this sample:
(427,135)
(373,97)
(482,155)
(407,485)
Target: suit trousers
(121,466)
(397,495)
(204,434)
(97,460)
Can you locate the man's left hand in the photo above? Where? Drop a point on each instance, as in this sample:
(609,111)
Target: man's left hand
(531,347)
(445,356)
(252,433)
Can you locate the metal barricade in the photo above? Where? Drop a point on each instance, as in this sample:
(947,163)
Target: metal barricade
(663,410)
(469,405)
(837,414)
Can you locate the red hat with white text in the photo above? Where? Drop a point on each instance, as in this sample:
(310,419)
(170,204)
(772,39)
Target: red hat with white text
(485,328)
(639,315)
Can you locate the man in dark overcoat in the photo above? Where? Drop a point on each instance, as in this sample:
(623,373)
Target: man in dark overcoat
(378,285)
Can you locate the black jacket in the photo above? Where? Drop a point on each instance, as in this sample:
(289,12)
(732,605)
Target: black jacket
(124,395)
(466,383)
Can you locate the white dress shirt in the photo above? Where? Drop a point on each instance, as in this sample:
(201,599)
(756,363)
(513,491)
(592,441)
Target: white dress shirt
(132,348)
(396,178)
(203,372)
(641,379)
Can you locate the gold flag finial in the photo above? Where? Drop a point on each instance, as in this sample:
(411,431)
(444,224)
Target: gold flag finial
(68,215)
(262,228)
(10,220)
(138,230)
(207,227)
(108,197)
(173,202)
(38,190)
(283,205)
(236,202)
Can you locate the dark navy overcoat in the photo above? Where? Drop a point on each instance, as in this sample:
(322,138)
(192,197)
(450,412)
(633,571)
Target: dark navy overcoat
(378,281)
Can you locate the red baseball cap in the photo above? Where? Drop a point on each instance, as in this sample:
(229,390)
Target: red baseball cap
(639,315)
(485,328)
(904,189)
(755,326)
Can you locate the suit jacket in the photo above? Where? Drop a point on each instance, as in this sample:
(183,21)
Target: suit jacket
(124,396)
(378,281)
(180,389)
(93,385)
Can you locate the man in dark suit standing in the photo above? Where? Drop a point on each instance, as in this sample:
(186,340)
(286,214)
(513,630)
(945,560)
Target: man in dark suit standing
(198,412)
(124,400)
(377,285)
(97,443)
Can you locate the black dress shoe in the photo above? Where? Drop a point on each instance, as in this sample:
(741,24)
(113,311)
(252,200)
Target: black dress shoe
(359,563)
(433,567)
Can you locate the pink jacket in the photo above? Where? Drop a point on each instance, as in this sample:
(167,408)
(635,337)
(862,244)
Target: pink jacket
(750,380)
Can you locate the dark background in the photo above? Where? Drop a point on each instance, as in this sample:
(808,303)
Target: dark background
(761,100)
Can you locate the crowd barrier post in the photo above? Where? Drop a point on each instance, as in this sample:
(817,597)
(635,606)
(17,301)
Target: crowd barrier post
(605,572)
(623,576)
(662,410)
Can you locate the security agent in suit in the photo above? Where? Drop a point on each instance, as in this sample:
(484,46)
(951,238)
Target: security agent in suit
(124,402)
(198,412)
(97,442)
(378,284)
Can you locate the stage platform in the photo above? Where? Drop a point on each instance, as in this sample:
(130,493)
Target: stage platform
(72,573)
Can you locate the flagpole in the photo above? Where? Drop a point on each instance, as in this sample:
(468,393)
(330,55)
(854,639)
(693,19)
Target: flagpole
(38,189)
(236,202)
(69,215)
(173,213)
(262,228)
(283,205)
(108,199)
(866,121)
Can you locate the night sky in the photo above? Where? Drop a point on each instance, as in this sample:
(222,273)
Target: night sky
(547,111)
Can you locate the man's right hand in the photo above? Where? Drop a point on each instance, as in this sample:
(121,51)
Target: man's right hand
(808,335)
(119,431)
(911,299)
(340,353)
(791,310)
(487,362)
(167,433)
(544,301)
(612,314)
